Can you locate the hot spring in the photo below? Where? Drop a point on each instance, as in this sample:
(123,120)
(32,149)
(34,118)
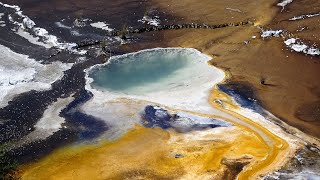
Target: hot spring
(153,70)
(176,77)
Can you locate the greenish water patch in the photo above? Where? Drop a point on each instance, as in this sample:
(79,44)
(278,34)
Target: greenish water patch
(146,71)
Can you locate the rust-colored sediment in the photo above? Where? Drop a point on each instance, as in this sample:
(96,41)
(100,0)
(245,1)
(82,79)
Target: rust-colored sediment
(151,153)
(278,148)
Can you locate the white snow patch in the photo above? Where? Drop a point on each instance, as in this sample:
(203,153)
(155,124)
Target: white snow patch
(284,3)
(301,29)
(81,59)
(155,21)
(19,74)
(101,25)
(79,22)
(313,51)
(31,38)
(24,23)
(51,120)
(122,41)
(271,33)
(290,41)
(304,16)
(293,43)
(73,32)
(299,46)
(59,24)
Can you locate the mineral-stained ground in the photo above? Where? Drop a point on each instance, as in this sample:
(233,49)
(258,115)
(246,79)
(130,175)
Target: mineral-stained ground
(159,89)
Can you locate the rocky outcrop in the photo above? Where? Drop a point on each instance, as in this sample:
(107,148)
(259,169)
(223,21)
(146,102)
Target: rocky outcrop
(185,26)
(123,33)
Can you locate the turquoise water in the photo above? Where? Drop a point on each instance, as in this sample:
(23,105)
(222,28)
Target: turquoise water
(145,71)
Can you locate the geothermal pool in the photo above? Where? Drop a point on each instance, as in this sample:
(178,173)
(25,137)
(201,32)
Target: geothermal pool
(149,70)
(179,77)
(145,71)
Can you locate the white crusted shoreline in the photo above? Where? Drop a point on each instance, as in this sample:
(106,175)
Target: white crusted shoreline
(153,21)
(101,25)
(19,74)
(50,122)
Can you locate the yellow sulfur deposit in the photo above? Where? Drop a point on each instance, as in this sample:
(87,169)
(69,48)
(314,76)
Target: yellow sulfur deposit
(155,153)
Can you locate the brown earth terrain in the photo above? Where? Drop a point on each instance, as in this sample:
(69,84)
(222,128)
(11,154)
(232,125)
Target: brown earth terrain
(295,91)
